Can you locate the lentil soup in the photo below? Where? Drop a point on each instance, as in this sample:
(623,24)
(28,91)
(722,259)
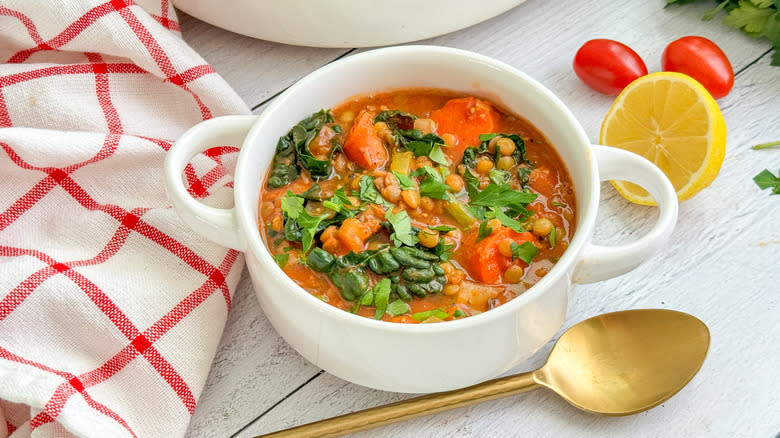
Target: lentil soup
(416,206)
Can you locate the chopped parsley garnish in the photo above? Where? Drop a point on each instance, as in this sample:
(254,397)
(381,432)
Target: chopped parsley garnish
(505,220)
(402,228)
(421,144)
(767,180)
(525,251)
(299,224)
(281,259)
(405,181)
(552,237)
(432,184)
(499,176)
(459,314)
(502,195)
(397,307)
(369,193)
(484,231)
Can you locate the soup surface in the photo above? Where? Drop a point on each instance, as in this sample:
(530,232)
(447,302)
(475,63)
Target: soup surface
(417,205)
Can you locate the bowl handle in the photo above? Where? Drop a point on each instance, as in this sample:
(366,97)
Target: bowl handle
(603,262)
(216,224)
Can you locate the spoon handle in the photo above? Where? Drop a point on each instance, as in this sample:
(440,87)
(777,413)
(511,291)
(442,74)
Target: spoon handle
(412,408)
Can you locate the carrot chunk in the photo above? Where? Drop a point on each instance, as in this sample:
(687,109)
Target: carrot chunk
(485,262)
(363,146)
(466,118)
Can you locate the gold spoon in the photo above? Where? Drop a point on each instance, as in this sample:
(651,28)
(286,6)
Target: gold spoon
(618,363)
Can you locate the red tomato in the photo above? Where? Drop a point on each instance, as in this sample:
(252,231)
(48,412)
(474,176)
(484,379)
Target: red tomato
(608,66)
(702,60)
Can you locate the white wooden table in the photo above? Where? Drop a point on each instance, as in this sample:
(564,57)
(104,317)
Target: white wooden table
(722,264)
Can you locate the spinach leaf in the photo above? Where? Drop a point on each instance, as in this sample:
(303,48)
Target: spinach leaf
(396,119)
(296,142)
(381,297)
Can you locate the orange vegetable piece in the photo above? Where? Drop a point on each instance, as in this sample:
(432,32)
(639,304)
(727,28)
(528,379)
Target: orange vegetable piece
(485,263)
(466,118)
(363,146)
(544,181)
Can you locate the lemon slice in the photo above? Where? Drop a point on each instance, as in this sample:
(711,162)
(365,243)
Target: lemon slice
(673,121)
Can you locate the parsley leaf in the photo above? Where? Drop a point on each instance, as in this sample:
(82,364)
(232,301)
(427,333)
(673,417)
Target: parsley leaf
(433,184)
(339,203)
(525,251)
(499,176)
(459,314)
(281,259)
(405,181)
(437,155)
(397,307)
(484,231)
(502,195)
(402,228)
(552,237)
(443,250)
(369,193)
(767,180)
(299,221)
(505,220)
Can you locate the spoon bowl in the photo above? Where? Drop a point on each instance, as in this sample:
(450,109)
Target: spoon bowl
(626,362)
(618,363)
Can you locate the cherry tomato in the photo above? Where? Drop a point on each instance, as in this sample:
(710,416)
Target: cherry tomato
(608,66)
(702,60)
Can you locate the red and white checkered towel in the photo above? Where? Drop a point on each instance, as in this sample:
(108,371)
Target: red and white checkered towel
(111,309)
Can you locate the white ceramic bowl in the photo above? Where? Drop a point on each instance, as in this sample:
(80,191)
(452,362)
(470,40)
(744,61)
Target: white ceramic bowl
(343,23)
(417,357)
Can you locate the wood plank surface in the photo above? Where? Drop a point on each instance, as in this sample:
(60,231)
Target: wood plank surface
(722,265)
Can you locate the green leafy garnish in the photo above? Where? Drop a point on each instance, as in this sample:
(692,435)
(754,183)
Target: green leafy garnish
(502,195)
(421,144)
(396,119)
(499,176)
(767,180)
(381,296)
(281,259)
(552,237)
(438,313)
(525,251)
(299,225)
(432,184)
(397,307)
(443,250)
(405,181)
(369,193)
(402,228)
(293,149)
(459,314)
(484,231)
(505,220)
(524,173)
(437,155)
(487,137)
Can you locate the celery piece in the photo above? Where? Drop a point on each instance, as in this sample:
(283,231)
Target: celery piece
(402,162)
